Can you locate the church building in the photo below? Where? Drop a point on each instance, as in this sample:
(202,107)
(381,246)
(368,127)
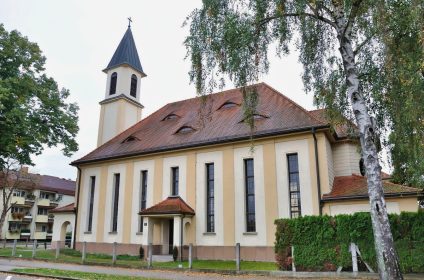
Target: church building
(174,177)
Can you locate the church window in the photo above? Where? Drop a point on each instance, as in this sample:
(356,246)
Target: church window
(115,203)
(175,180)
(91,202)
(250,195)
(133,90)
(294,185)
(143,196)
(113,80)
(210,198)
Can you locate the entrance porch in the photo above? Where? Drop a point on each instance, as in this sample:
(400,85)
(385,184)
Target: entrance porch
(166,225)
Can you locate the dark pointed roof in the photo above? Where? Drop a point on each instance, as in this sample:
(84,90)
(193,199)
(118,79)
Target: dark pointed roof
(126,53)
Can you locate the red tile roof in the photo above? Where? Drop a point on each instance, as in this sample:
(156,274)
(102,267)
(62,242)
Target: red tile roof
(154,134)
(341,130)
(64,209)
(173,205)
(355,186)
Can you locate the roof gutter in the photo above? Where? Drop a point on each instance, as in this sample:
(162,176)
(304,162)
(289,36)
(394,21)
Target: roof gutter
(195,145)
(76,208)
(317,170)
(360,197)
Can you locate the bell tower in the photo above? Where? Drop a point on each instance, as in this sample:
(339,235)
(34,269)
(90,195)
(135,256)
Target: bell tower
(121,107)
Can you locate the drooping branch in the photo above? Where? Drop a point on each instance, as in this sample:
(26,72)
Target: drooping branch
(303,14)
(363,43)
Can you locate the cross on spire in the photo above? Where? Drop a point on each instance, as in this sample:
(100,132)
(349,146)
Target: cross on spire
(129,22)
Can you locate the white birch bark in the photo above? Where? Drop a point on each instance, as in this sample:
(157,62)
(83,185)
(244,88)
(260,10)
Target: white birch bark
(387,258)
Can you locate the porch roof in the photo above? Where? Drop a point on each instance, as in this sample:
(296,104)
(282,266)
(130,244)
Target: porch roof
(172,205)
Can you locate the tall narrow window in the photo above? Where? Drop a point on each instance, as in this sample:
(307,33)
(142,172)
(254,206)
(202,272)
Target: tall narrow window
(294,186)
(115,203)
(133,90)
(250,195)
(143,195)
(210,198)
(91,202)
(175,180)
(113,80)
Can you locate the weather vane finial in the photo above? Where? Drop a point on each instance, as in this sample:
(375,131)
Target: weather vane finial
(129,21)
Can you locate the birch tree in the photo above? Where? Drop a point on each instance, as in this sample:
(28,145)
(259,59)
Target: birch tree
(343,54)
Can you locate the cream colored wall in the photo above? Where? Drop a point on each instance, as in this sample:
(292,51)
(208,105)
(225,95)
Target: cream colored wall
(394,205)
(115,117)
(346,158)
(123,83)
(271,190)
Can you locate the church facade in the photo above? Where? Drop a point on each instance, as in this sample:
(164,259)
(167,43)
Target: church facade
(190,172)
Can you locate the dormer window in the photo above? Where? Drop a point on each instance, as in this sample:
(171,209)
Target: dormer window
(185,129)
(257,117)
(130,139)
(228,105)
(133,90)
(170,117)
(113,80)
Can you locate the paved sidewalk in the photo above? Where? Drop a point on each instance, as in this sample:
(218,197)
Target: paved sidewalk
(9,264)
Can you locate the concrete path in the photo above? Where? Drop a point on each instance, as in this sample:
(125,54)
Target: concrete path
(9,264)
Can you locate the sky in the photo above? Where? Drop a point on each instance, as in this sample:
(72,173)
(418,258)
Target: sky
(79,38)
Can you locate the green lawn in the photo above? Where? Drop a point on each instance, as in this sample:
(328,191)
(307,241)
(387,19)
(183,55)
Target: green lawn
(73,256)
(221,265)
(76,274)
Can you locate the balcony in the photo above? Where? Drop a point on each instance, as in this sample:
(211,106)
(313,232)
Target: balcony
(17,200)
(27,219)
(43,202)
(42,219)
(40,235)
(25,233)
(16,217)
(13,234)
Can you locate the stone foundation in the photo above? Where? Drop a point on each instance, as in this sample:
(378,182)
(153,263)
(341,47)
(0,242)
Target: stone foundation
(259,253)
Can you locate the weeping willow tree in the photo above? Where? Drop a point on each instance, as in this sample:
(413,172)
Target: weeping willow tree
(346,49)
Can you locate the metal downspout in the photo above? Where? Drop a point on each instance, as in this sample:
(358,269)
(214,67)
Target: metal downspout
(181,238)
(317,171)
(76,208)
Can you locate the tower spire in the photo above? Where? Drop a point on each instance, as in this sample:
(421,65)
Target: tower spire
(129,22)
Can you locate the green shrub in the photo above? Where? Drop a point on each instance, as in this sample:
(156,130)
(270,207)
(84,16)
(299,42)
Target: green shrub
(141,252)
(175,253)
(322,242)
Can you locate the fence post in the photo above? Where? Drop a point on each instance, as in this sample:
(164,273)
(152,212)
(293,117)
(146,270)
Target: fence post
(149,259)
(26,242)
(292,254)
(4,242)
(238,256)
(57,249)
(34,248)
(190,256)
(114,253)
(354,257)
(84,248)
(14,247)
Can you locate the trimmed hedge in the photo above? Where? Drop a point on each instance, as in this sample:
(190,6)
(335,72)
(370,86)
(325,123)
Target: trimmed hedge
(321,243)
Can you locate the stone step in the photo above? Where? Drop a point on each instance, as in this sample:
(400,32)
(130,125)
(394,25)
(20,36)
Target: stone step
(162,258)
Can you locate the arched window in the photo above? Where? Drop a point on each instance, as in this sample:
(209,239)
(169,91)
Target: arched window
(133,90)
(113,79)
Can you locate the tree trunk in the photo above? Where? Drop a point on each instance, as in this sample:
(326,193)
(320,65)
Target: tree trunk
(2,219)
(387,258)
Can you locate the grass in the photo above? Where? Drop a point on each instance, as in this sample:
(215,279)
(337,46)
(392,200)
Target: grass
(73,256)
(220,265)
(76,274)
